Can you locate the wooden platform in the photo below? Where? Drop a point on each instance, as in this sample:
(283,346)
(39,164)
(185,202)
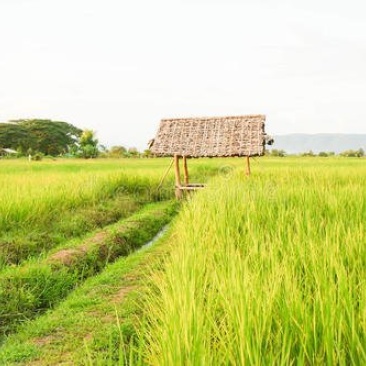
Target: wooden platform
(180,187)
(179,190)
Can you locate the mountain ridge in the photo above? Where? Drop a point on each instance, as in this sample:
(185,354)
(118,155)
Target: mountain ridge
(296,143)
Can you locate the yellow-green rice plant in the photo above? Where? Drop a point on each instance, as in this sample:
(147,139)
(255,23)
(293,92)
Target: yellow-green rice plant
(45,204)
(266,270)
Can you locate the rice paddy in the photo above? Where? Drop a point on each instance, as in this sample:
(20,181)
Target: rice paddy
(266,271)
(263,270)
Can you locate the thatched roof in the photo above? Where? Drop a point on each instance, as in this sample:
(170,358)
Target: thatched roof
(212,137)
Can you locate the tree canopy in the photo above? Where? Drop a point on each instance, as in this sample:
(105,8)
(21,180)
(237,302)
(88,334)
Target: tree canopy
(353,153)
(88,144)
(39,136)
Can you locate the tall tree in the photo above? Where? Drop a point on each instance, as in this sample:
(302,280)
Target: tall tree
(14,136)
(117,151)
(88,144)
(39,135)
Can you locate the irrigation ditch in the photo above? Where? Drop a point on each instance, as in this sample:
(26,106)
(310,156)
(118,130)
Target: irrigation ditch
(39,284)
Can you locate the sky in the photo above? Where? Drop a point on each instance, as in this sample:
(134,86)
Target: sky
(118,67)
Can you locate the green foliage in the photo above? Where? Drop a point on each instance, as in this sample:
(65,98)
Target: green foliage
(133,151)
(39,136)
(122,152)
(147,153)
(326,154)
(278,153)
(88,144)
(14,136)
(117,151)
(353,153)
(309,153)
(37,157)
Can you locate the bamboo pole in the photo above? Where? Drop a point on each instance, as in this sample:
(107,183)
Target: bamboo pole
(186,176)
(248,166)
(165,174)
(178,192)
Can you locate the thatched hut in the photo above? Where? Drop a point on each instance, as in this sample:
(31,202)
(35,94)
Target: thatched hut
(209,137)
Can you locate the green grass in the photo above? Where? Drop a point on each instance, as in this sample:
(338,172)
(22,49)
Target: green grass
(95,325)
(37,285)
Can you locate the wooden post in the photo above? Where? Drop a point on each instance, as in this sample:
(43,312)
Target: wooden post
(186,176)
(164,176)
(248,166)
(178,191)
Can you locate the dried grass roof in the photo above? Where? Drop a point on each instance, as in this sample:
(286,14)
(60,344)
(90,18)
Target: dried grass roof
(211,137)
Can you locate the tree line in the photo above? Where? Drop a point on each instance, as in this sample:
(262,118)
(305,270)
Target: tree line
(36,137)
(43,137)
(347,153)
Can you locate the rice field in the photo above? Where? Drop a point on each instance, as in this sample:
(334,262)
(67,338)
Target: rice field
(269,269)
(63,221)
(45,204)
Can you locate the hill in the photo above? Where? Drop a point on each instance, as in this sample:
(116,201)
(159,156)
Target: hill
(297,143)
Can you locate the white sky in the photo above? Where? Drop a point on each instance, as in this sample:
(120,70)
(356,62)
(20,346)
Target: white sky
(119,66)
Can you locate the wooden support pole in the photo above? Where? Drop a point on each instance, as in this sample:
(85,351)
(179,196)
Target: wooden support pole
(178,191)
(248,166)
(186,176)
(177,171)
(165,174)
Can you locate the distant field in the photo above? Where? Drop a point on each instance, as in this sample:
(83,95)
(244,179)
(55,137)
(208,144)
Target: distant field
(262,270)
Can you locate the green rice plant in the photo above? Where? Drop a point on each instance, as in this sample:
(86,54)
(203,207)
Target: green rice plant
(44,204)
(265,270)
(15,247)
(40,209)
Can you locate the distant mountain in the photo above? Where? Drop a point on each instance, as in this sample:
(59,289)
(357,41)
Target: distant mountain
(299,142)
